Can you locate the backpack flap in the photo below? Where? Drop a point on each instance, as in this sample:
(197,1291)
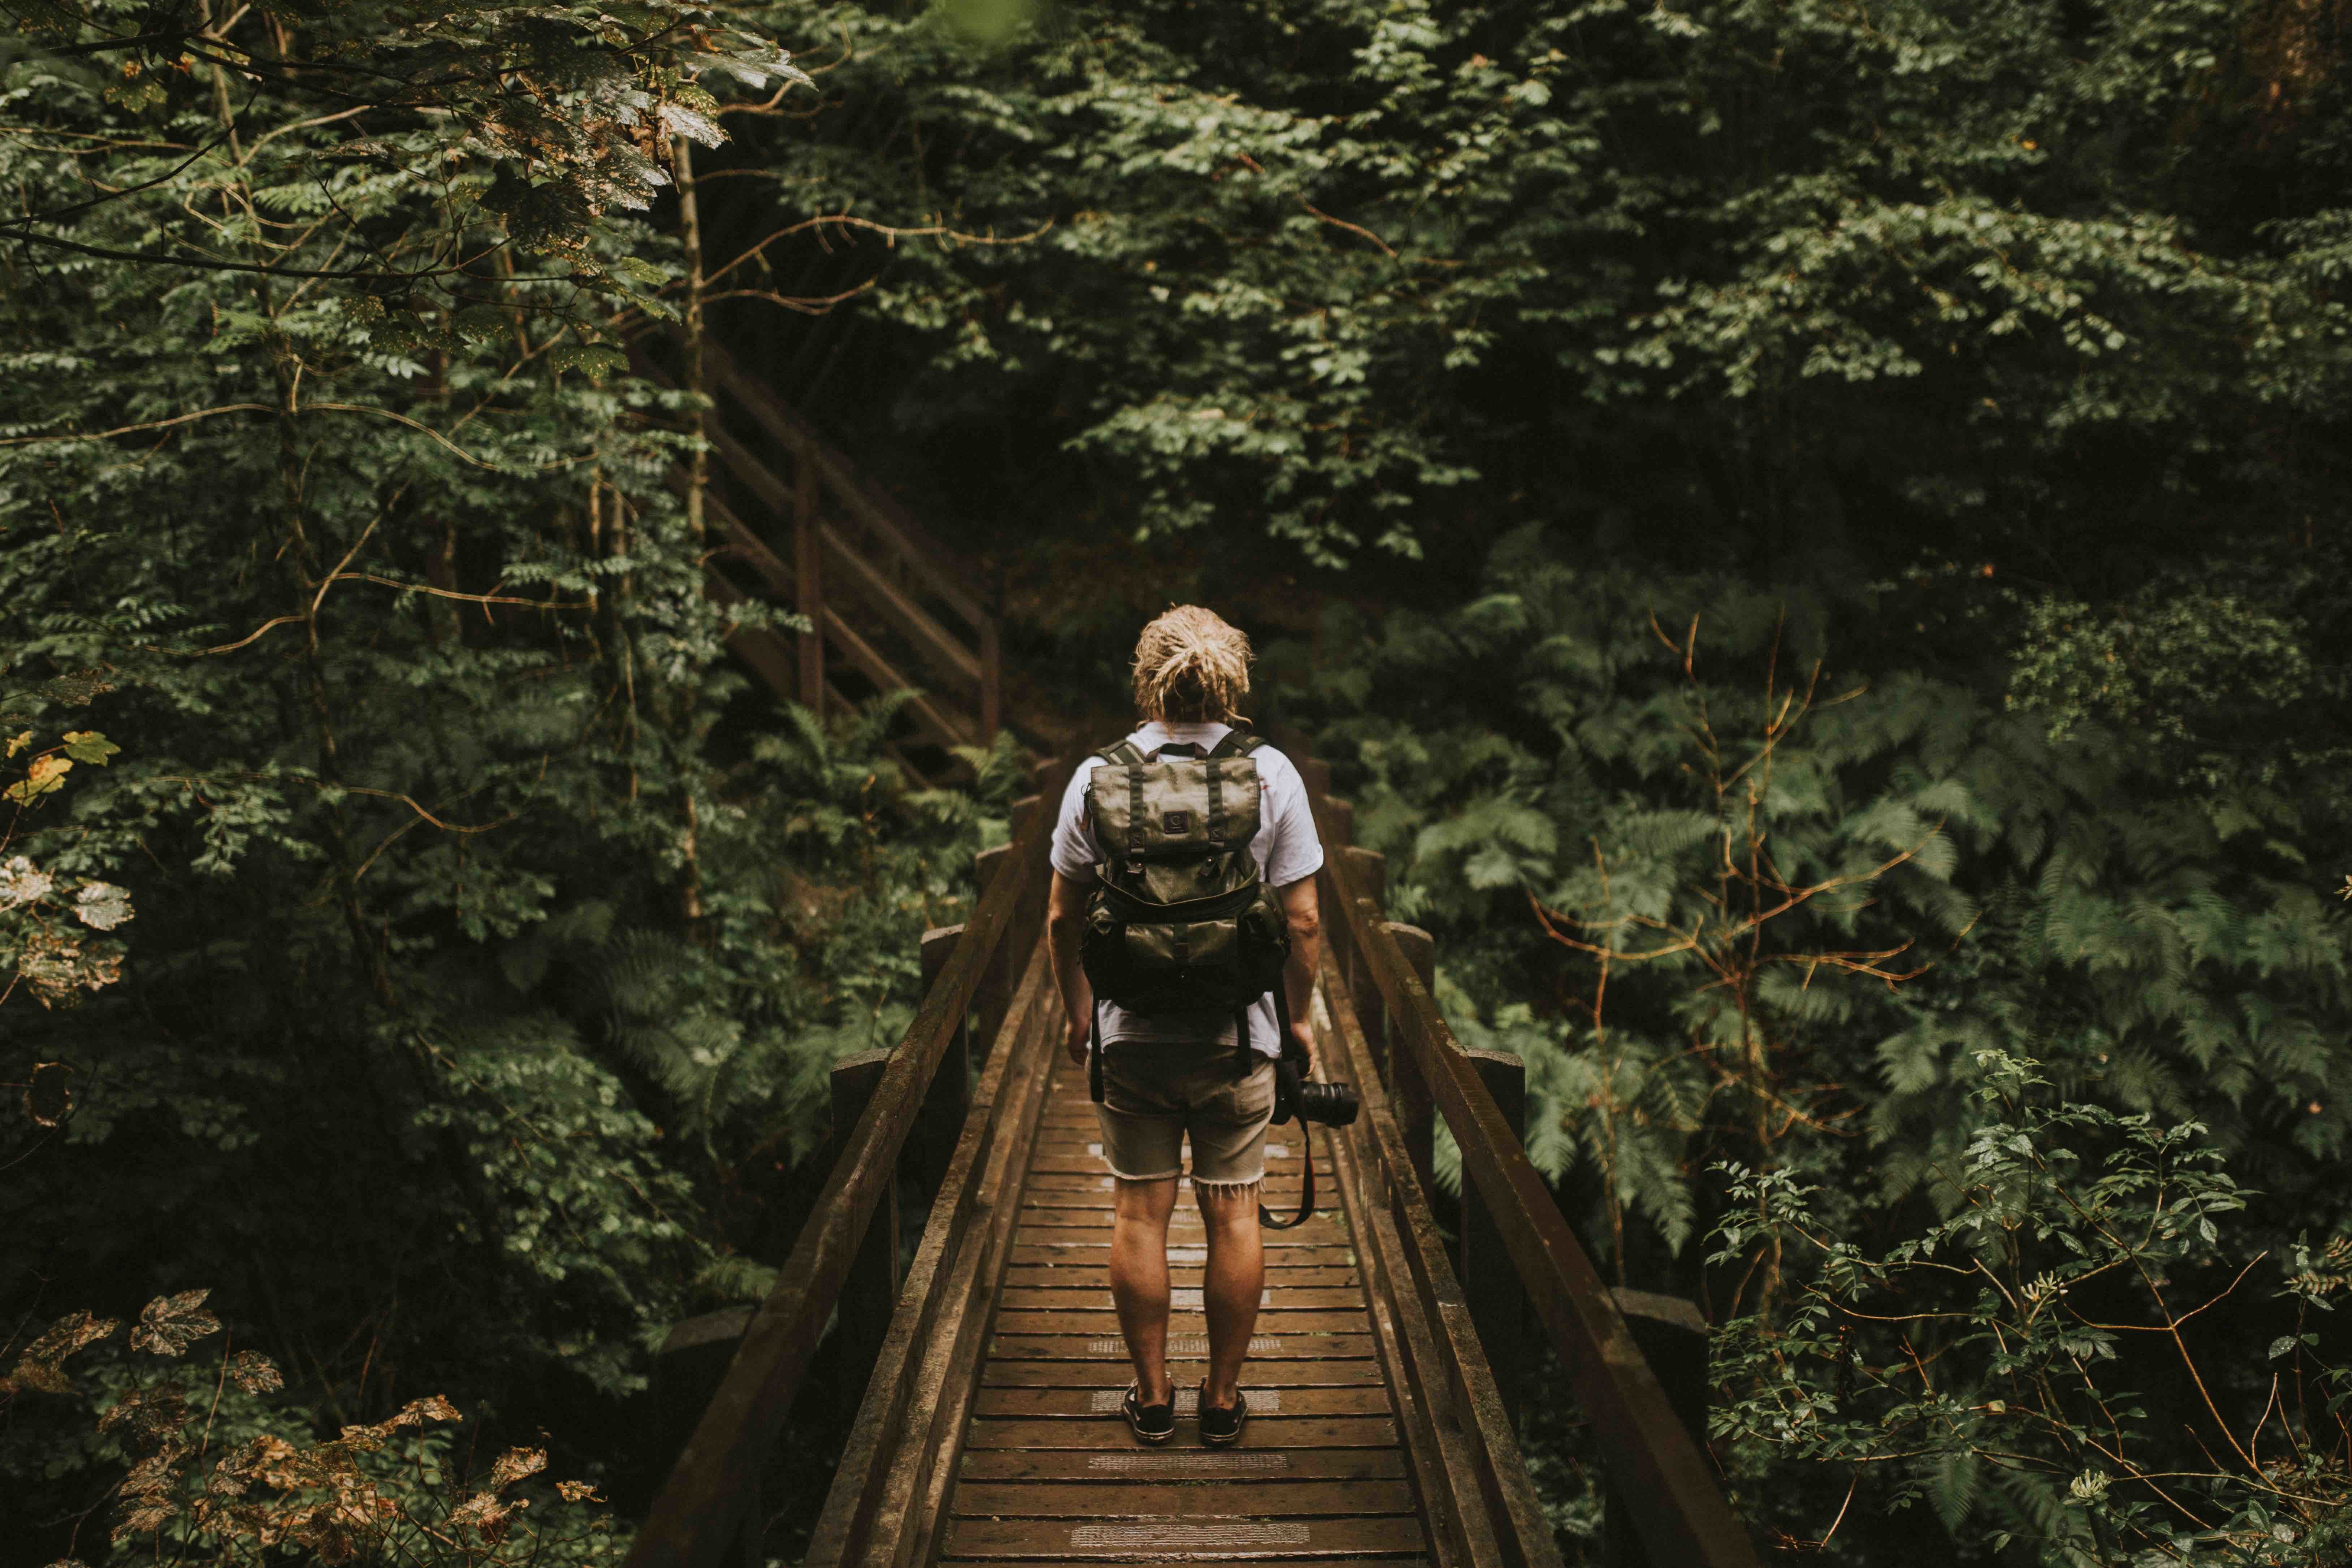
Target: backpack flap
(1176,830)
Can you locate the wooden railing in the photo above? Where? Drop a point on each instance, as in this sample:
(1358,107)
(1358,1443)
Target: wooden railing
(882,596)
(982,983)
(1516,1252)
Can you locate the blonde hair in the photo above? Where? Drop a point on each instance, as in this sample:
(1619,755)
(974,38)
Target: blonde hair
(1190,664)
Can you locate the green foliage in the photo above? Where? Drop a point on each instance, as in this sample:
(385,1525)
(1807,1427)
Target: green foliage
(1785,282)
(1759,923)
(493,932)
(1776,910)
(1984,1368)
(2179,668)
(488,131)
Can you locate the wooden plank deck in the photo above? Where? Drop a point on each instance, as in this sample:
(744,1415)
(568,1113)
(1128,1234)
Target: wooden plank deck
(1050,1473)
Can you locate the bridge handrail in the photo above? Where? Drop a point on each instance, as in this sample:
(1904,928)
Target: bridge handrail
(1665,1480)
(696,1518)
(879,553)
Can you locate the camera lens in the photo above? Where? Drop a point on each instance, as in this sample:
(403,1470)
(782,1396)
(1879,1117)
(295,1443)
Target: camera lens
(1331,1104)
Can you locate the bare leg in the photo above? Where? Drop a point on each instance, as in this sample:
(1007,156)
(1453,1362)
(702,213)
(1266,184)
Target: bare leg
(1233,1282)
(1138,1279)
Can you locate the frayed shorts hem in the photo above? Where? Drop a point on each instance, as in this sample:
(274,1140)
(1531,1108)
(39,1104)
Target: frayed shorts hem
(1227,1188)
(1214,1189)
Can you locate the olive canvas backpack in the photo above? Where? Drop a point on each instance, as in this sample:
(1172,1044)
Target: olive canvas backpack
(1179,919)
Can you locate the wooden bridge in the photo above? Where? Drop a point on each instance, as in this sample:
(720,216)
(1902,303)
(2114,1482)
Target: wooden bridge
(1385,1365)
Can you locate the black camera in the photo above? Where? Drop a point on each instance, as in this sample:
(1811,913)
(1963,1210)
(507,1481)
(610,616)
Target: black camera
(1330,1105)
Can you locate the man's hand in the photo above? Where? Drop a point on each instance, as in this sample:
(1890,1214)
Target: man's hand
(1073,1043)
(1302,1034)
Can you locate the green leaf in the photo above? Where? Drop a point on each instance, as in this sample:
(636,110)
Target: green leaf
(89,746)
(639,270)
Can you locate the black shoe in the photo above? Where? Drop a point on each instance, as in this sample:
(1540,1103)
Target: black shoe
(1150,1423)
(1220,1428)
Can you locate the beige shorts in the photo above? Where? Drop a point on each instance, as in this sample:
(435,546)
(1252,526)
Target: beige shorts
(1156,1095)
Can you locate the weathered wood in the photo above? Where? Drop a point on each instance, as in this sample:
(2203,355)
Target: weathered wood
(1371,872)
(1265,1349)
(875,510)
(1499,1303)
(1029,920)
(700,1507)
(994,994)
(1095,1403)
(936,722)
(1314,770)
(1407,1085)
(1105,1372)
(1673,1337)
(1338,1561)
(751,549)
(949,1099)
(1076,1299)
(992,680)
(1234,1541)
(910,548)
(1087,1274)
(913,1498)
(938,646)
(871,1289)
(1337,819)
(1243,1499)
(808,576)
(1263,1432)
(687,1369)
(1015,1464)
(935,1317)
(1483,1509)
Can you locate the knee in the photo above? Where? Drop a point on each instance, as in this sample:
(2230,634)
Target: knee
(1227,1206)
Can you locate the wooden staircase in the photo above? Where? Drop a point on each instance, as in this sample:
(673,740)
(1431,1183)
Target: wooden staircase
(891,607)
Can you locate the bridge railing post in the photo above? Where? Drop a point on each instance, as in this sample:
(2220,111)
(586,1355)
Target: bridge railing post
(1672,1337)
(945,1105)
(1407,1086)
(1490,1280)
(808,569)
(994,997)
(871,1292)
(1029,915)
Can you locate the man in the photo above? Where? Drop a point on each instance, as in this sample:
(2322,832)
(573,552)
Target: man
(1172,1075)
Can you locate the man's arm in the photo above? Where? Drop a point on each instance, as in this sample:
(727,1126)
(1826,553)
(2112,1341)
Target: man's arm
(1066,913)
(1304,914)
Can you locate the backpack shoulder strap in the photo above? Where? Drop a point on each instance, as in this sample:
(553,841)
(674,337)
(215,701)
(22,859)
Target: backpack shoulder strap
(1123,754)
(1238,743)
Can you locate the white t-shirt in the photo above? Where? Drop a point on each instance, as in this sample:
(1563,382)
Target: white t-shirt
(1284,848)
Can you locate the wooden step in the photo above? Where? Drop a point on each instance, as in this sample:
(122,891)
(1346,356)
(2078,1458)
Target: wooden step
(1195,1539)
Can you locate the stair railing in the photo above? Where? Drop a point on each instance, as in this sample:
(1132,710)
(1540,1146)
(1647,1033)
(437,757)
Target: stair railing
(852,560)
(854,543)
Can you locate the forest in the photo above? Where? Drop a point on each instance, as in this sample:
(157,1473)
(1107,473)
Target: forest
(1812,533)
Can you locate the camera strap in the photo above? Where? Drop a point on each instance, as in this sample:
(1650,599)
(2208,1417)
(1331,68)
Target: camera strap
(1285,1108)
(1093,1054)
